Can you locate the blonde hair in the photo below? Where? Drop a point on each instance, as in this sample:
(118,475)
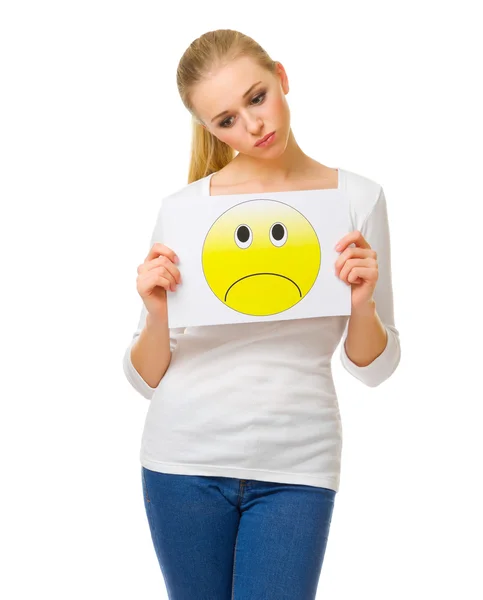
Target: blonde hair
(210,51)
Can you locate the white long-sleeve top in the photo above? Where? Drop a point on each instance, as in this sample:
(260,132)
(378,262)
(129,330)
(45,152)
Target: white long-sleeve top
(257,400)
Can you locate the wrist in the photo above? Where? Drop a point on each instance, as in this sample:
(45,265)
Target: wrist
(156,323)
(366,310)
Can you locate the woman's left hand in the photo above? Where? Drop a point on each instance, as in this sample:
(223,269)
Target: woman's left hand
(358,268)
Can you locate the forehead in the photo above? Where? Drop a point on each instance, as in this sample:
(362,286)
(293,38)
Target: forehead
(223,88)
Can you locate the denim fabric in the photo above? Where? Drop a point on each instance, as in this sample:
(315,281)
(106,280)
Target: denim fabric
(221,538)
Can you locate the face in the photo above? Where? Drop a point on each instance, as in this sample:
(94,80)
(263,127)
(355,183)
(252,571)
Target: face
(261,257)
(255,105)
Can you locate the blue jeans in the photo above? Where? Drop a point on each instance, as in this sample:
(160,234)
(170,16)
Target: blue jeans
(221,538)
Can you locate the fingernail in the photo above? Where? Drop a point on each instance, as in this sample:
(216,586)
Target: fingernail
(338,247)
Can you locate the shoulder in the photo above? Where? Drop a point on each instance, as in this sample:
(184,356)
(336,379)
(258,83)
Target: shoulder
(195,188)
(363,193)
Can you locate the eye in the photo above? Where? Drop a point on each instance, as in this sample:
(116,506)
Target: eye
(226,123)
(223,124)
(243,236)
(278,234)
(262,96)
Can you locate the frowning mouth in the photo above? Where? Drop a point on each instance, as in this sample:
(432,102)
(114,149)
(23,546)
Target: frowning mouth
(264,139)
(255,274)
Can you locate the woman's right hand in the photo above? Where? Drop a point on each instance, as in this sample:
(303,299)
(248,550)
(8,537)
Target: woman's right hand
(157,274)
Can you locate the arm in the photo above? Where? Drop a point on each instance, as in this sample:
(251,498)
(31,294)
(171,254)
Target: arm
(366,336)
(148,356)
(371,348)
(151,352)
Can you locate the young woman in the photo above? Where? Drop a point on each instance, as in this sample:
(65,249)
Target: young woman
(242,442)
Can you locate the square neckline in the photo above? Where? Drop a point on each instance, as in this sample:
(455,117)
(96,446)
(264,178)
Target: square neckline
(207,186)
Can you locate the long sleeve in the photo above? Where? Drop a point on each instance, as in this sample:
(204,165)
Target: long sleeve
(132,375)
(375,230)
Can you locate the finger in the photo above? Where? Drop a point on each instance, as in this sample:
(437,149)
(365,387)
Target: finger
(353,277)
(351,253)
(157,249)
(366,273)
(165,281)
(353,263)
(161,261)
(166,273)
(149,281)
(354,237)
(152,275)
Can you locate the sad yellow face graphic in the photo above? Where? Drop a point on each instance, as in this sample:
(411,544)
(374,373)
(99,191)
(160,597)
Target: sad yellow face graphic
(261,257)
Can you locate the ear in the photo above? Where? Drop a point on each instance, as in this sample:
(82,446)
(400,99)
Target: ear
(283,77)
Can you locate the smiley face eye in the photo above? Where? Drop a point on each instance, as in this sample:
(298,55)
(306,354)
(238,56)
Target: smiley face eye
(243,236)
(278,234)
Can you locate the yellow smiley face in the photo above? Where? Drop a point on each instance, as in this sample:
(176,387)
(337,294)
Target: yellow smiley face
(261,257)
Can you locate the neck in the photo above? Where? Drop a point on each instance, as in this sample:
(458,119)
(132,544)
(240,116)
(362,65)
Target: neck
(293,162)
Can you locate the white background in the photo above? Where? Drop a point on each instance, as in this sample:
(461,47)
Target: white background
(93,134)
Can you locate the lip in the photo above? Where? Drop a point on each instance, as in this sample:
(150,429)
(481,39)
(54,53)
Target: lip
(265,138)
(270,274)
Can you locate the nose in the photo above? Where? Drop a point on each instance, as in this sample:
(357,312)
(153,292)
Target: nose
(254,124)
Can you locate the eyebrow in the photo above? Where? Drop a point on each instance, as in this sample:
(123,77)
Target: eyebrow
(244,96)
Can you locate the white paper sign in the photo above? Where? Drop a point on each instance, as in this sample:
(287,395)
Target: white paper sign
(256,257)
